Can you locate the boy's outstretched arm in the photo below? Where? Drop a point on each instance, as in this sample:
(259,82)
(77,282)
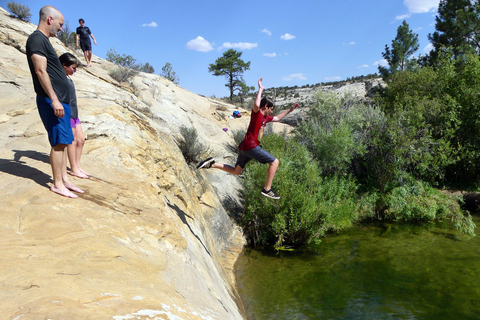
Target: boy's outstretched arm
(256,105)
(284,113)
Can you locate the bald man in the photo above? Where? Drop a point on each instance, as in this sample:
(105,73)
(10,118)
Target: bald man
(53,95)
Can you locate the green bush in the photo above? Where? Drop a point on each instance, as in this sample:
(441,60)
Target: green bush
(309,205)
(337,130)
(417,201)
(438,109)
(20,11)
(192,149)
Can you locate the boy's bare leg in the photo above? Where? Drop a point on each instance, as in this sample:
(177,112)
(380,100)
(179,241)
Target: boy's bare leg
(228,168)
(272,169)
(57,161)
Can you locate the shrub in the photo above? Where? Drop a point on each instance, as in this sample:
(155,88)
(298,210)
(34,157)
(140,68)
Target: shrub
(192,149)
(67,37)
(20,11)
(309,205)
(417,201)
(337,130)
(122,74)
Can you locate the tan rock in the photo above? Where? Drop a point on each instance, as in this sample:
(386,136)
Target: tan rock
(149,238)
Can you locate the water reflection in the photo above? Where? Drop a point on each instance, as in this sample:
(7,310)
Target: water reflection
(376,272)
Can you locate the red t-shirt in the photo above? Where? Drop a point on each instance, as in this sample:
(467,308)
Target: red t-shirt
(257,123)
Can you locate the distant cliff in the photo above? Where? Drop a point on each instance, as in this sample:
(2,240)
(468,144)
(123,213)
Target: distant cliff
(150,238)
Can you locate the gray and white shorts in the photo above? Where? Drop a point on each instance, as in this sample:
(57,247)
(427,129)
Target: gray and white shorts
(257,153)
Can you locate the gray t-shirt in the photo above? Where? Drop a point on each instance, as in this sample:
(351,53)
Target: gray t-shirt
(73,100)
(38,43)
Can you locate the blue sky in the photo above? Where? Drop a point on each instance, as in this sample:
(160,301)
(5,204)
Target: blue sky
(287,42)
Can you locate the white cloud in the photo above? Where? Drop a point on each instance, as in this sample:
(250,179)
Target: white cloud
(199,44)
(267,31)
(239,45)
(428,48)
(421,6)
(295,76)
(333,78)
(152,24)
(403,16)
(351,43)
(287,36)
(383,63)
(271,55)
(363,66)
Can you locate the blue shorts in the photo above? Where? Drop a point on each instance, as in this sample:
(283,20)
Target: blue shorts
(59,129)
(257,153)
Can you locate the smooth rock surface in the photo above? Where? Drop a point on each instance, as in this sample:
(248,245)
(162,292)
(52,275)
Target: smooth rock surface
(149,238)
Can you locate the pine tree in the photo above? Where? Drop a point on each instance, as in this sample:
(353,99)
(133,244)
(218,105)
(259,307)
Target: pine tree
(457,29)
(399,57)
(232,67)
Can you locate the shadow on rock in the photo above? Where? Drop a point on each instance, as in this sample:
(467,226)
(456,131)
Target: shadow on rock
(20,169)
(35,155)
(182,216)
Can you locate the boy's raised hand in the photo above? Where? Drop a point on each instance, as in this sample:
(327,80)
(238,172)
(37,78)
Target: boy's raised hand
(260,86)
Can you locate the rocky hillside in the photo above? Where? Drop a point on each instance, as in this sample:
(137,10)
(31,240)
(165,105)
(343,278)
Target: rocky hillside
(150,238)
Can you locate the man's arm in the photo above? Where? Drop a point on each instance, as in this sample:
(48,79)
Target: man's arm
(94,41)
(77,37)
(256,105)
(284,113)
(40,66)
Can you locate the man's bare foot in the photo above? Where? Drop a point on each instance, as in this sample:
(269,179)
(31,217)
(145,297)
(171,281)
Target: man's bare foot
(63,192)
(79,174)
(71,186)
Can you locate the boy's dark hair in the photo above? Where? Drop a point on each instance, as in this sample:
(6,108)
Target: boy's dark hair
(81,20)
(68,59)
(266,101)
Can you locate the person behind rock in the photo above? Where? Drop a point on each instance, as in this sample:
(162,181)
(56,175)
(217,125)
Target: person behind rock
(53,95)
(74,150)
(84,34)
(250,147)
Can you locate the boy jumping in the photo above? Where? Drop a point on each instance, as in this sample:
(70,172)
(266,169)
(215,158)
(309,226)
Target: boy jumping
(250,147)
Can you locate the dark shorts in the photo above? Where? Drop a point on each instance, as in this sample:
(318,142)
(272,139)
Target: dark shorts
(86,46)
(257,153)
(59,129)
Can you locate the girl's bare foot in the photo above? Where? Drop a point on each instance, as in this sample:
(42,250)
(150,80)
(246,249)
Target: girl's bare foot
(79,174)
(85,173)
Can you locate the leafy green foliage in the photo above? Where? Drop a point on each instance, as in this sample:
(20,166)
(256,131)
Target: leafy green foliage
(417,201)
(349,161)
(336,130)
(310,205)
(21,11)
(232,67)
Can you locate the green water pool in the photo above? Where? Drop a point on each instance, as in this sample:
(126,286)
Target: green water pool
(388,271)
